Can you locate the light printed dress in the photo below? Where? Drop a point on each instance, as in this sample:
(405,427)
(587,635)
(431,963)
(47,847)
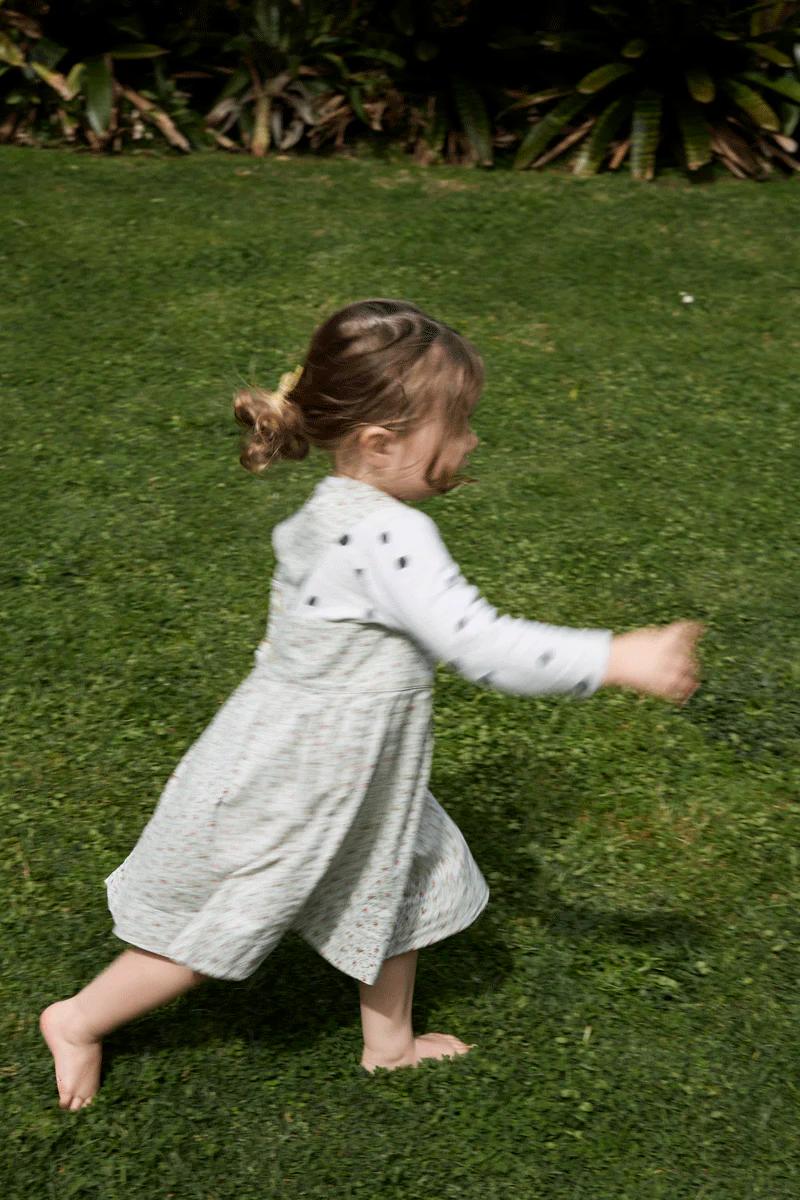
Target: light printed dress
(304,804)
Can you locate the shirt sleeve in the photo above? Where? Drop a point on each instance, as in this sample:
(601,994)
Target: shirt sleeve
(418,589)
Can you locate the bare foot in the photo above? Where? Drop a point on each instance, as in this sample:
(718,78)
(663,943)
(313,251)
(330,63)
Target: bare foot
(77,1056)
(428,1045)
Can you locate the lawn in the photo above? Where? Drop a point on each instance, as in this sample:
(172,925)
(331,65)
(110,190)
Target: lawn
(633,985)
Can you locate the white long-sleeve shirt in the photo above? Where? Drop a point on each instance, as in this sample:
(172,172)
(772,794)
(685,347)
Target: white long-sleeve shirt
(392,567)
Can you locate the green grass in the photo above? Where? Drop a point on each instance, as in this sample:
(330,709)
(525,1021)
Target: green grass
(633,986)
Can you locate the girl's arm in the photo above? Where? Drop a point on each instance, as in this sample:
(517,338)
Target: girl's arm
(419,589)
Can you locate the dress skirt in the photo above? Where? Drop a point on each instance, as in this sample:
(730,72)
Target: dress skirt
(304,805)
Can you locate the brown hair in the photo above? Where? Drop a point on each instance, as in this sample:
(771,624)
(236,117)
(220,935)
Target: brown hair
(375,362)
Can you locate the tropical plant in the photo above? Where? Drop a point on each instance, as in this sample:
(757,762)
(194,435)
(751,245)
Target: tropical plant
(445,83)
(299,68)
(86,98)
(667,77)
(291,69)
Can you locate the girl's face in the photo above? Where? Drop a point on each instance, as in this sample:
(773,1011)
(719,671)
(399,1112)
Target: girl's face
(397,465)
(412,455)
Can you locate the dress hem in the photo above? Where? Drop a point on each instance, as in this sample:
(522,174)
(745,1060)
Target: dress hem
(415,942)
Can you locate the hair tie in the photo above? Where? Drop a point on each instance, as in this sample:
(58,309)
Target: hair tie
(288,383)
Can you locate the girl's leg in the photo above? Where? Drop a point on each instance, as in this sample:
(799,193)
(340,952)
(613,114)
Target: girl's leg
(136,982)
(386,1020)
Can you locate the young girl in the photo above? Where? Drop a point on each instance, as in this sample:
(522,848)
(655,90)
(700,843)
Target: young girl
(304,804)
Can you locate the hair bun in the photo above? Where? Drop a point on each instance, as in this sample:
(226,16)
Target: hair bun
(277,424)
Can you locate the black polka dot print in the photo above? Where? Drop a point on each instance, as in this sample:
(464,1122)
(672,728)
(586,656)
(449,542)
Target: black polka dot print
(359,570)
(369,614)
(344,539)
(582,687)
(402,562)
(460,624)
(384,537)
(311,600)
(545,658)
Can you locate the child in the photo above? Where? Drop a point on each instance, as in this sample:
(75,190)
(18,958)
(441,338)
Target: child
(304,804)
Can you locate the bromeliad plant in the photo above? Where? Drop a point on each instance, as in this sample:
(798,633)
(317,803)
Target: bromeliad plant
(301,68)
(672,79)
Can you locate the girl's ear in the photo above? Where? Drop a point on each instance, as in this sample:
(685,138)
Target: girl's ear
(376,444)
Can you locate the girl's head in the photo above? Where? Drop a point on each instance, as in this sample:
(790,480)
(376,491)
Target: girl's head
(386,390)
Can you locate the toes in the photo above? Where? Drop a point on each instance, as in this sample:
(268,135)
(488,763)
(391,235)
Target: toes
(455,1042)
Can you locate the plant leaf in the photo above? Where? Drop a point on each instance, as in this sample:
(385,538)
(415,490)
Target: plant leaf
(387,56)
(787,86)
(645,134)
(700,84)
(137,50)
(527,100)
(259,143)
(75,78)
(474,118)
(601,77)
(10,52)
(565,143)
(151,111)
(56,81)
(97,87)
(48,53)
(543,132)
(354,96)
(753,104)
(790,114)
(594,148)
(771,54)
(635,48)
(695,134)
(577,44)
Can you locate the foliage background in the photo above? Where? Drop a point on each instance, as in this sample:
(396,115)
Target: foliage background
(465,81)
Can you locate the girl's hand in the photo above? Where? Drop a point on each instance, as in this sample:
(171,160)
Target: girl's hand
(659,660)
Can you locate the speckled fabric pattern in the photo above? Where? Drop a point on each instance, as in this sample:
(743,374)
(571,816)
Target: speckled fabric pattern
(304,804)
